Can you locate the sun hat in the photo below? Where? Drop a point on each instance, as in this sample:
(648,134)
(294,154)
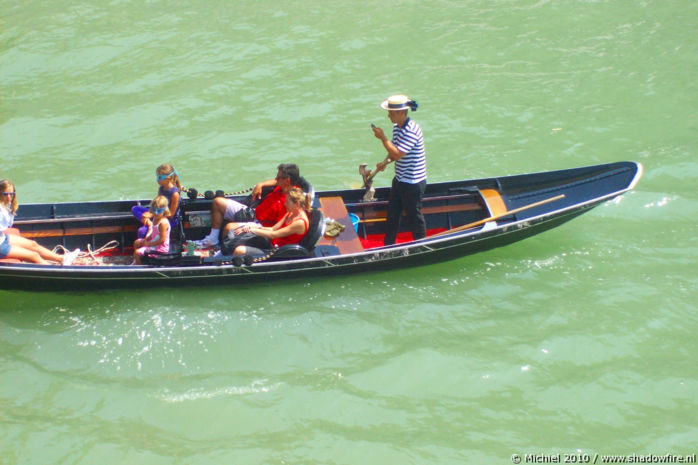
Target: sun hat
(399,102)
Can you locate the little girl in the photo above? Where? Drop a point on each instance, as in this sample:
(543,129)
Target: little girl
(18,247)
(170,188)
(157,239)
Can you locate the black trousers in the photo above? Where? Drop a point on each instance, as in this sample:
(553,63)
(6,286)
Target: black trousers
(407,197)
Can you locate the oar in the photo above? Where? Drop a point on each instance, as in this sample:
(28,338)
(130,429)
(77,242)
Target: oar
(496,217)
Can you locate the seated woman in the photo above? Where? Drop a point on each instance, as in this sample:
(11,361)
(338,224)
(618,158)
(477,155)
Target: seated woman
(18,247)
(291,229)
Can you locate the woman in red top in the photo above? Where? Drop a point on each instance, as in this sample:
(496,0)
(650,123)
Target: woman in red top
(291,229)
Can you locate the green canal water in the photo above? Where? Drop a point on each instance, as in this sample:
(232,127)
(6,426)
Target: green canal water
(581,340)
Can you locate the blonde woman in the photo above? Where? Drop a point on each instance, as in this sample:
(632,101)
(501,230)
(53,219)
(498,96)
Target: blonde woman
(18,247)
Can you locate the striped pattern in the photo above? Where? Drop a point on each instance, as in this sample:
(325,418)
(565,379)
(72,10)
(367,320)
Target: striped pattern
(412,168)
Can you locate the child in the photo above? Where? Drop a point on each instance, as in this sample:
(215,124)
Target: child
(157,239)
(18,247)
(170,188)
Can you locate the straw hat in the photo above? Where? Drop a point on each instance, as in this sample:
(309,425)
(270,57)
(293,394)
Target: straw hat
(397,102)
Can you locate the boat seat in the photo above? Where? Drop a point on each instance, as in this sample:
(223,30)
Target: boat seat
(307,187)
(161,259)
(177,237)
(172,258)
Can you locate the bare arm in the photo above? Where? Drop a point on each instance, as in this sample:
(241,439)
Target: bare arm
(393,152)
(257,191)
(174,202)
(296,227)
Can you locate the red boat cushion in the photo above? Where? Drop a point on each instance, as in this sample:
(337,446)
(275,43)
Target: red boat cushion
(376,240)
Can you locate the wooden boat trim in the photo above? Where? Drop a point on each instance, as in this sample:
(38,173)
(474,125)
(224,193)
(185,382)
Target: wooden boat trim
(78,231)
(58,219)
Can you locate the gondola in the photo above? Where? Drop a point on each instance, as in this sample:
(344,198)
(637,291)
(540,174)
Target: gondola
(463,218)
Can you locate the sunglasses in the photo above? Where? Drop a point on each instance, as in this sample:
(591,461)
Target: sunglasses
(9,194)
(164,176)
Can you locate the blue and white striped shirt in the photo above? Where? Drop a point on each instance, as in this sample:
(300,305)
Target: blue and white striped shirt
(412,168)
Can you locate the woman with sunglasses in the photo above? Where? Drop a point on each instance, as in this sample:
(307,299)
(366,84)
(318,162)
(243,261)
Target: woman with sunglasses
(169,187)
(157,239)
(18,247)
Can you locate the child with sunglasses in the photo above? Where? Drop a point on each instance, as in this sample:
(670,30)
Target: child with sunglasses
(170,188)
(157,239)
(18,247)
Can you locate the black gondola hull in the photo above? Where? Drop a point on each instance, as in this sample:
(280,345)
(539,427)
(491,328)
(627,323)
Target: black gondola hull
(583,188)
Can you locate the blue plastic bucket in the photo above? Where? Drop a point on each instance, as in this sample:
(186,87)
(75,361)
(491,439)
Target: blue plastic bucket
(354,221)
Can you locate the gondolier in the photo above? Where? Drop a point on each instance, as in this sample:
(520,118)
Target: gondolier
(406,149)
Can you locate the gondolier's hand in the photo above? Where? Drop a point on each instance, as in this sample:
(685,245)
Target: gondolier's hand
(378,132)
(381,165)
